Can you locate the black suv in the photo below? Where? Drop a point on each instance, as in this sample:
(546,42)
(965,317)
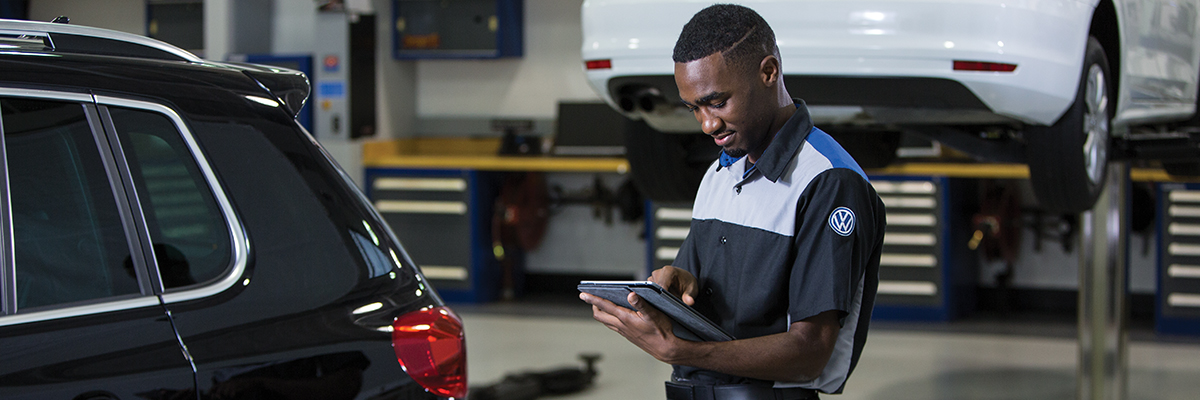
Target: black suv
(170,231)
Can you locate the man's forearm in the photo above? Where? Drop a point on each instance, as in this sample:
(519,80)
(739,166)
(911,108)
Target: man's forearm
(798,355)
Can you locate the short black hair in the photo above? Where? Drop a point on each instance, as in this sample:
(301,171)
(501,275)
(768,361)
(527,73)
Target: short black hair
(740,34)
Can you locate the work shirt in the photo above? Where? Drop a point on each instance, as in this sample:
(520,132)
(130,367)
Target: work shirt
(797,234)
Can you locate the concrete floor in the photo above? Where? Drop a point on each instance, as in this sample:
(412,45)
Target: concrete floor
(997,359)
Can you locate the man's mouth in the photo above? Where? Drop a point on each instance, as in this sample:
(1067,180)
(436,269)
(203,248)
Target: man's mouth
(723,138)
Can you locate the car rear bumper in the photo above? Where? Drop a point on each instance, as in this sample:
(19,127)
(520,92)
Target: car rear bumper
(876,39)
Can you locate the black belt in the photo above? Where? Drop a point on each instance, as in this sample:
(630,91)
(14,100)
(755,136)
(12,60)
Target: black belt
(684,391)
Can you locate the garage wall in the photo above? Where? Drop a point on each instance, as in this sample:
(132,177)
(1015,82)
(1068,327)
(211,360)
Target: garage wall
(526,87)
(122,15)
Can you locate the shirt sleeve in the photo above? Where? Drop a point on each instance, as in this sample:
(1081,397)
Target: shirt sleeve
(686,257)
(835,233)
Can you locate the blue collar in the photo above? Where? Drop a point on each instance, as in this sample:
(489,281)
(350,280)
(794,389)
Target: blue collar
(726,160)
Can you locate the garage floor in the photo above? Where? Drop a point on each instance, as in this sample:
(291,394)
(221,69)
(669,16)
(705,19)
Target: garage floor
(975,359)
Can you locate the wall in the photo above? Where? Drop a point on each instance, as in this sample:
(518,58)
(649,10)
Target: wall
(292,30)
(526,87)
(1055,268)
(580,242)
(122,15)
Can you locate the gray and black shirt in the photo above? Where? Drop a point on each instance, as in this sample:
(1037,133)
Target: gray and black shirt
(797,234)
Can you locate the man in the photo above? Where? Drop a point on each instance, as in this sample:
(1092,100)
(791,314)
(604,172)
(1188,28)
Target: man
(785,238)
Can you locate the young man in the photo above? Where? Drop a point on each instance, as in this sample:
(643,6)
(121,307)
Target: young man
(785,238)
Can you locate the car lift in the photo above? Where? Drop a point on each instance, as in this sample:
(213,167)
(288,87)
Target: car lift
(1103,306)
(1103,264)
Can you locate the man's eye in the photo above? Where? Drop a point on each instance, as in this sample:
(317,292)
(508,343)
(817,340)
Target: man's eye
(692,108)
(719,105)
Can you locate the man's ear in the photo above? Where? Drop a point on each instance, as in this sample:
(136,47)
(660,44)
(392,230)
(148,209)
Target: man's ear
(769,71)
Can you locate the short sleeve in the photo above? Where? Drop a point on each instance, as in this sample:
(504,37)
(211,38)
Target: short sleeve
(686,257)
(836,232)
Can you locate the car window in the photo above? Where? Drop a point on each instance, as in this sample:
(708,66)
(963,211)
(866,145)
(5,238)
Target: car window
(191,239)
(68,241)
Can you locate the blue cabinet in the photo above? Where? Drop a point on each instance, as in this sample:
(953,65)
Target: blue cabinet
(1177,311)
(926,272)
(457,29)
(443,219)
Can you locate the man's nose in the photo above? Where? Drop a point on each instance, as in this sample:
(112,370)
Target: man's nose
(710,123)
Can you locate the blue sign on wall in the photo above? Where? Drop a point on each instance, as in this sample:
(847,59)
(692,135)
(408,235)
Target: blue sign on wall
(336,89)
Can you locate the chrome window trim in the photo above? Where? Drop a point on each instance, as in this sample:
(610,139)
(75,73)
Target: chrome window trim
(136,230)
(240,247)
(101,306)
(45,94)
(8,275)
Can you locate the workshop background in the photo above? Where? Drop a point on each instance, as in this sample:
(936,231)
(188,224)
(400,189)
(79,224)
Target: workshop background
(1011,332)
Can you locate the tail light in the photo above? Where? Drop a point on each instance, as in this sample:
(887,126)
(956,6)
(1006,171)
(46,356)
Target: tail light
(598,64)
(431,348)
(983,66)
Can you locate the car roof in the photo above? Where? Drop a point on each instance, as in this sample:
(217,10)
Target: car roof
(63,38)
(76,47)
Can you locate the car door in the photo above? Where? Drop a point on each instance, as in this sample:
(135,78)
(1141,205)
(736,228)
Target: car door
(1161,59)
(81,316)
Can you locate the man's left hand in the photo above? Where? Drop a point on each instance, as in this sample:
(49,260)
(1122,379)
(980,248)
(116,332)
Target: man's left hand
(646,327)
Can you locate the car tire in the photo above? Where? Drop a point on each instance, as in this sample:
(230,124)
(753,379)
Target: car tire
(1068,161)
(667,167)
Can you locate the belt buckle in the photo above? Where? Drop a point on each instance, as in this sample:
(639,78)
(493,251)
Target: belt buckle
(679,391)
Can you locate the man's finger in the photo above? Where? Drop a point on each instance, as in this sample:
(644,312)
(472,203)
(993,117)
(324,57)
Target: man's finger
(609,320)
(645,310)
(635,301)
(604,305)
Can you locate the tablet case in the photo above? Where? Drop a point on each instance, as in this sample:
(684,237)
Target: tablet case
(688,324)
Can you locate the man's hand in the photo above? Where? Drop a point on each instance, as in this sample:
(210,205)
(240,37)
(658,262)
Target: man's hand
(677,282)
(800,354)
(647,328)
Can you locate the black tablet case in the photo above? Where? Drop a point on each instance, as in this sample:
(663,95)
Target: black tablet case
(687,323)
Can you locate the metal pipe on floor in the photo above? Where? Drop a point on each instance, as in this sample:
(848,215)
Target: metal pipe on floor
(1103,295)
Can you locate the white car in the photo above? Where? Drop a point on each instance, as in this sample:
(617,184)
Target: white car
(1051,83)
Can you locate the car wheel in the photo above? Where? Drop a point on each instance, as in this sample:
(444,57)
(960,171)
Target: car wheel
(1068,161)
(667,167)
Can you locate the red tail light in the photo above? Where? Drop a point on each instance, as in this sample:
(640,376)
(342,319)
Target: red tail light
(431,348)
(598,64)
(983,66)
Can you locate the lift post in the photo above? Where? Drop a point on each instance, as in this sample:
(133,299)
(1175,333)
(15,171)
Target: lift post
(1103,295)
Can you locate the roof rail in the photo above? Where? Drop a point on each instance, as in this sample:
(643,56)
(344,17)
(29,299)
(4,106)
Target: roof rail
(65,38)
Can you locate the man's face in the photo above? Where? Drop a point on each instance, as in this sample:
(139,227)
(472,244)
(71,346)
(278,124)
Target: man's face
(728,102)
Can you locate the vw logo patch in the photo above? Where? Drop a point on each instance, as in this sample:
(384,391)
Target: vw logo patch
(842,221)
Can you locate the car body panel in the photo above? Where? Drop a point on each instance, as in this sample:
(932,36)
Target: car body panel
(93,354)
(921,39)
(1159,60)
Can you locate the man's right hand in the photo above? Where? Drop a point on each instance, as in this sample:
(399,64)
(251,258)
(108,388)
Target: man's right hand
(678,282)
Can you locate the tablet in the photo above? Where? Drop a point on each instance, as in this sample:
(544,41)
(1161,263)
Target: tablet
(688,324)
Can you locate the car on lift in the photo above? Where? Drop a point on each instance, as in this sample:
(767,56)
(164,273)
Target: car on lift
(1061,85)
(170,231)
